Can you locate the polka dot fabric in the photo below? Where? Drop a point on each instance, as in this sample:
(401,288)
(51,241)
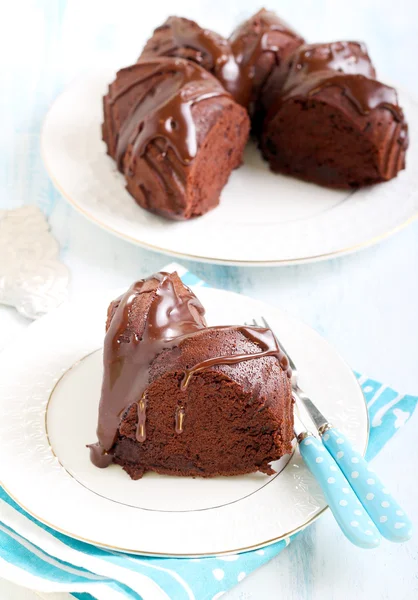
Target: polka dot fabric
(382,508)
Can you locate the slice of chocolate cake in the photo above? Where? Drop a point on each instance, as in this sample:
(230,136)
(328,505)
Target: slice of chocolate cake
(175,133)
(184,38)
(260,44)
(181,398)
(328,121)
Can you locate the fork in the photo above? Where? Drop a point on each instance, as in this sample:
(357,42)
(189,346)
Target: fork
(382,508)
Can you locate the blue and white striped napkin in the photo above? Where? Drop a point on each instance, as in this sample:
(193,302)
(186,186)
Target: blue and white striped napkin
(33,555)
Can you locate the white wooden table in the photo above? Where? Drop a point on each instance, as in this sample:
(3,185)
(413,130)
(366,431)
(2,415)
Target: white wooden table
(365,304)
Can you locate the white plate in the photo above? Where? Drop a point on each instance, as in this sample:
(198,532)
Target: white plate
(49,394)
(262,219)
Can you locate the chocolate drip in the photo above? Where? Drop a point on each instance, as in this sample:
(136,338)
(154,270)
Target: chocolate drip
(263,33)
(263,337)
(127,356)
(346,66)
(234,63)
(364,94)
(141,433)
(172,318)
(180,414)
(203,46)
(342,57)
(99,457)
(165,111)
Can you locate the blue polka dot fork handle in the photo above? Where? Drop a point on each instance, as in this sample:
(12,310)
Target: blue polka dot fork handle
(382,508)
(353,520)
(380,505)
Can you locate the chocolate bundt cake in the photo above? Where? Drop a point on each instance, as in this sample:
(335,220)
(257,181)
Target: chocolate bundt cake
(260,44)
(181,398)
(175,133)
(327,119)
(174,124)
(186,39)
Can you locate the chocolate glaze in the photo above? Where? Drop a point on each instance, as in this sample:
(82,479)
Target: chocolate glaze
(341,66)
(166,112)
(235,63)
(364,94)
(344,57)
(127,357)
(182,37)
(263,337)
(125,353)
(263,33)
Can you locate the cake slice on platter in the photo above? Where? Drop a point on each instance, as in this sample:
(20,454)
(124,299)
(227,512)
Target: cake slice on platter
(329,121)
(183,38)
(259,45)
(175,133)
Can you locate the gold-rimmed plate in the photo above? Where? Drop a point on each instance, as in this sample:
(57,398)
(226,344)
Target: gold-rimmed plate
(49,393)
(263,218)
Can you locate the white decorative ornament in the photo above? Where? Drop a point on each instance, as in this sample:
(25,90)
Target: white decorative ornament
(32,279)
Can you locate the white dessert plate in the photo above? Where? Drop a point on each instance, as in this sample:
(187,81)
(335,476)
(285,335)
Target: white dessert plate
(263,218)
(49,394)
